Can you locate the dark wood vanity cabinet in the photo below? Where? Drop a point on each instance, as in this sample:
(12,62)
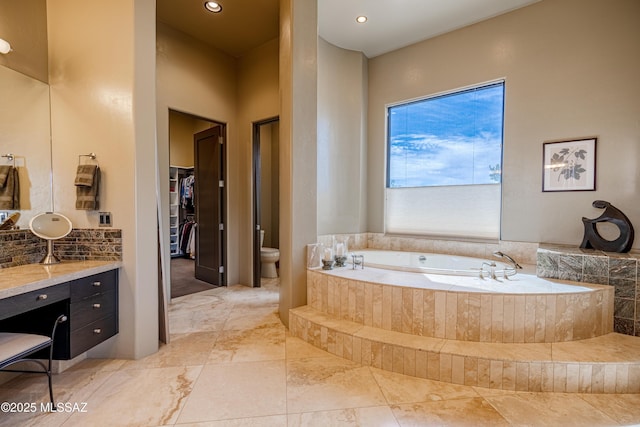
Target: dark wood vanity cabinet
(93,311)
(90,303)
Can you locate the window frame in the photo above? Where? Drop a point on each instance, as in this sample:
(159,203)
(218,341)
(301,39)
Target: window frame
(498,81)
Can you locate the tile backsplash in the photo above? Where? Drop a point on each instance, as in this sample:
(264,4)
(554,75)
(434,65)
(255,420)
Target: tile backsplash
(523,252)
(18,247)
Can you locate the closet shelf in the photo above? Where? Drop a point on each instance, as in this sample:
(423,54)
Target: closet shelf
(177,213)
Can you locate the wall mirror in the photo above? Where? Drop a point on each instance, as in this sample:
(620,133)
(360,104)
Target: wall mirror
(25,127)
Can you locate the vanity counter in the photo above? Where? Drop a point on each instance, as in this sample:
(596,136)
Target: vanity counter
(32,296)
(31,277)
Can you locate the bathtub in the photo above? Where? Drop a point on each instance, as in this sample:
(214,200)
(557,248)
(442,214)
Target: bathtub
(415,297)
(430,263)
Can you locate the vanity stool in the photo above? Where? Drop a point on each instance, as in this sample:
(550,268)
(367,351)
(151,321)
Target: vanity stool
(16,347)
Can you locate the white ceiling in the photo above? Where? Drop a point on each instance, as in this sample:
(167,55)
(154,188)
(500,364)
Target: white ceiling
(393,24)
(246,24)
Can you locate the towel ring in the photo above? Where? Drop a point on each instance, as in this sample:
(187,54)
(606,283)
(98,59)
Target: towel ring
(11,158)
(92,156)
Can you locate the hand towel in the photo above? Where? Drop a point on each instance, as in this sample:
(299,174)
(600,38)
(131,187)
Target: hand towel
(4,173)
(9,189)
(85,175)
(87,196)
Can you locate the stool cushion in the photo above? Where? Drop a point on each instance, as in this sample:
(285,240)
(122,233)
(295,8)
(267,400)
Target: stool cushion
(14,345)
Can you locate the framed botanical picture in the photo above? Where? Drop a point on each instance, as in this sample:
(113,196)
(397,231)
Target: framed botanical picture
(569,165)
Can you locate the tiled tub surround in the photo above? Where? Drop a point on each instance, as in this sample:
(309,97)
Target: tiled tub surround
(617,270)
(396,341)
(526,309)
(523,252)
(19,247)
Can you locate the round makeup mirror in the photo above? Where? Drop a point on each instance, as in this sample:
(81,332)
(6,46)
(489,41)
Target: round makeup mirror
(50,226)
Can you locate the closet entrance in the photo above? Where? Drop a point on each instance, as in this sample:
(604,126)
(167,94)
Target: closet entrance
(197,208)
(266,199)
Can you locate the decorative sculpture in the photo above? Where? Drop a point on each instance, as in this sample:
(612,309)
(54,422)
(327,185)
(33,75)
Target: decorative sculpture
(593,240)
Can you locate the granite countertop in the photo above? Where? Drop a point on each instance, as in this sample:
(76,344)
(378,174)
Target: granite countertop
(31,277)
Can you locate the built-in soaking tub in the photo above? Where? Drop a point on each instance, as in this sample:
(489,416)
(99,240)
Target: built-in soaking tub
(463,306)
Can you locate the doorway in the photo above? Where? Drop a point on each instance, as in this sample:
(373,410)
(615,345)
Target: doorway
(196,173)
(266,191)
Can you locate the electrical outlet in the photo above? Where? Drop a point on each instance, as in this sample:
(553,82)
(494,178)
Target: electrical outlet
(105,219)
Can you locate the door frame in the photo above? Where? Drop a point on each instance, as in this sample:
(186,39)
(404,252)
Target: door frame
(165,208)
(255,171)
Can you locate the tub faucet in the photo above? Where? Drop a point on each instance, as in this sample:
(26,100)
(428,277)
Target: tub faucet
(511,260)
(492,270)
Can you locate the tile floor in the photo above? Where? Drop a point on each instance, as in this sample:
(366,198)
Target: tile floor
(232,363)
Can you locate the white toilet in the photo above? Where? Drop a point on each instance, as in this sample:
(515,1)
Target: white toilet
(268,259)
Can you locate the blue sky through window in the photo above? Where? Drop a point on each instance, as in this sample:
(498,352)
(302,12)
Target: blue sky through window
(454,139)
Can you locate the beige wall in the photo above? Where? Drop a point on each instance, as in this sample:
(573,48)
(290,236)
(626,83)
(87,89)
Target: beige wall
(196,79)
(182,127)
(571,69)
(102,101)
(298,152)
(244,90)
(257,100)
(342,169)
(24,25)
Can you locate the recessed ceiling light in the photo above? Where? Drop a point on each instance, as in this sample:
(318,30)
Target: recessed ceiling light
(361,19)
(213,6)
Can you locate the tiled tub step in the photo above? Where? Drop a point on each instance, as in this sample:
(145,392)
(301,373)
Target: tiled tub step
(605,364)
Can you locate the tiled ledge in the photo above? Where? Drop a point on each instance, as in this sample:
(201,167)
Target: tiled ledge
(583,265)
(607,364)
(523,252)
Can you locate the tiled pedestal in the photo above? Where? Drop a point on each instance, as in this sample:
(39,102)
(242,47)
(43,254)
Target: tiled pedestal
(617,270)
(605,363)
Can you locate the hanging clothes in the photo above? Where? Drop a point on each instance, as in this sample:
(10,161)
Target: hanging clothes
(185,232)
(191,244)
(186,192)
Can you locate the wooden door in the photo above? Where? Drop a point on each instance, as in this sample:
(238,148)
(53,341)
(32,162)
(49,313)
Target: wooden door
(209,205)
(257,266)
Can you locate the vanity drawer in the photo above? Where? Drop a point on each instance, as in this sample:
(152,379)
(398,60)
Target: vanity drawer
(18,304)
(93,308)
(92,285)
(93,334)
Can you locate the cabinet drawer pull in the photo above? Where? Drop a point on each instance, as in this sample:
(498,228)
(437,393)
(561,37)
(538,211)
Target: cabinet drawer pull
(96,305)
(42,297)
(97,331)
(96,283)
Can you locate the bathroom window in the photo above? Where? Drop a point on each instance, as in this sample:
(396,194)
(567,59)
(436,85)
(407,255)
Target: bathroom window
(444,163)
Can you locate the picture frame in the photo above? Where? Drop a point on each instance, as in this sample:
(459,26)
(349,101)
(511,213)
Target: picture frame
(569,165)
